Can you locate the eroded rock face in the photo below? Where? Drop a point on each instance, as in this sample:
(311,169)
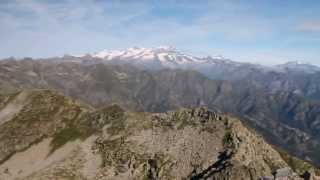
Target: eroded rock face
(73,141)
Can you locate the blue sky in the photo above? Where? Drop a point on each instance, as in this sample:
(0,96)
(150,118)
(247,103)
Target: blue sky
(260,31)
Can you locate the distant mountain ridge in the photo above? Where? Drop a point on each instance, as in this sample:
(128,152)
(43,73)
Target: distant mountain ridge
(170,57)
(299,67)
(214,67)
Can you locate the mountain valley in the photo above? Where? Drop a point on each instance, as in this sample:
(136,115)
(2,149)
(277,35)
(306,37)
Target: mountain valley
(281,105)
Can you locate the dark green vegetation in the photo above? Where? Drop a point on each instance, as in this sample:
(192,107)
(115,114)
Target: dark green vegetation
(64,136)
(227,139)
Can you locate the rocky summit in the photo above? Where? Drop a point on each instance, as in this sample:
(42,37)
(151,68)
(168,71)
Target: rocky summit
(45,135)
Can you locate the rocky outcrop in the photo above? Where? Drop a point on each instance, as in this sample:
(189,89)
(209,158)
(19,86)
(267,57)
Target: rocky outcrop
(53,137)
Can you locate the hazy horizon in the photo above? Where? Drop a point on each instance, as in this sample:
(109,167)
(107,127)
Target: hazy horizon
(268,32)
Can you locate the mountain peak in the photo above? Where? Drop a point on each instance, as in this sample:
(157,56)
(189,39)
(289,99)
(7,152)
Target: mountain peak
(298,66)
(167,56)
(164,55)
(135,51)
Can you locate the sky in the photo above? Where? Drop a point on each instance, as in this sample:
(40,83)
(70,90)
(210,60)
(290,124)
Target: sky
(259,31)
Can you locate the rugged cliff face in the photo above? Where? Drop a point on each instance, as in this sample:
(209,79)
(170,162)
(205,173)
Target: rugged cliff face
(44,135)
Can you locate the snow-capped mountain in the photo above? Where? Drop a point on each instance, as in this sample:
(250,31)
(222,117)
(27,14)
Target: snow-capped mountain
(170,57)
(165,56)
(215,67)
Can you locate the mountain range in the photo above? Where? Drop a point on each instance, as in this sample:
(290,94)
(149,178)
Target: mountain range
(46,135)
(281,103)
(170,57)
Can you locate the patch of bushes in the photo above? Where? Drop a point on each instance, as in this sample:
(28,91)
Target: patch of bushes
(227,138)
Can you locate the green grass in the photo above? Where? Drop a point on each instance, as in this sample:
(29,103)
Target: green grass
(72,132)
(64,136)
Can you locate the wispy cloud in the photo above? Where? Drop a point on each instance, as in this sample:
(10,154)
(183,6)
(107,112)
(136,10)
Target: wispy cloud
(229,27)
(59,27)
